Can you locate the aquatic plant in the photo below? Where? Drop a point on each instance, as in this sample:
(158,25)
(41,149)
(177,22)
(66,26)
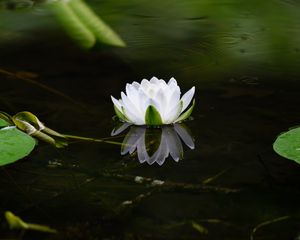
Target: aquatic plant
(287,144)
(19,134)
(153,103)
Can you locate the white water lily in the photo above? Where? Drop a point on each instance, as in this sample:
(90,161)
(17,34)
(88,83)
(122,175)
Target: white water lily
(154,102)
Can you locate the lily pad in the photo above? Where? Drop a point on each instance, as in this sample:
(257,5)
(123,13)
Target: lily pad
(287,144)
(14,145)
(3,123)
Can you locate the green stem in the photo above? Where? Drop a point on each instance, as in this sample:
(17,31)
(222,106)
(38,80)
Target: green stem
(40,228)
(92,139)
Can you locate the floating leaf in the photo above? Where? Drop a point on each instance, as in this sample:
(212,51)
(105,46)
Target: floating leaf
(287,144)
(6,118)
(14,145)
(3,123)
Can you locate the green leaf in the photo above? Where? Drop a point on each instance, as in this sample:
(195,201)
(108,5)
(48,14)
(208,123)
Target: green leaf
(187,113)
(152,117)
(14,145)
(73,24)
(287,145)
(6,119)
(3,123)
(95,24)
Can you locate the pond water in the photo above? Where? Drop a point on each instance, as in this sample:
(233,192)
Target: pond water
(244,60)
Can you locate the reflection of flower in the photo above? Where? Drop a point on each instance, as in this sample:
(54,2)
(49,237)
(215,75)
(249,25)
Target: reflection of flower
(155,145)
(153,102)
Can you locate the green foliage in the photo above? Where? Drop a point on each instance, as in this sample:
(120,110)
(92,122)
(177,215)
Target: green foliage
(83,25)
(14,145)
(287,144)
(3,123)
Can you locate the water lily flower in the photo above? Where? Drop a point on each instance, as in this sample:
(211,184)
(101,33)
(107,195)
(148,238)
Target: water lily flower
(155,144)
(154,102)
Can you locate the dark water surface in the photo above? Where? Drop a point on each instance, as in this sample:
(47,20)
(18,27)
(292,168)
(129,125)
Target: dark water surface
(243,60)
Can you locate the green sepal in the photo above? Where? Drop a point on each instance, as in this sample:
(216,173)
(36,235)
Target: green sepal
(187,113)
(119,114)
(152,117)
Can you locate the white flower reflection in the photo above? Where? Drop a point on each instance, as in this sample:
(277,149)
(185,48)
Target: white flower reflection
(155,144)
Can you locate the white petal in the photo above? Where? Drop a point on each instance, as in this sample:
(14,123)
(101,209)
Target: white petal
(187,97)
(174,143)
(117,131)
(132,94)
(173,100)
(173,114)
(154,80)
(130,111)
(132,139)
(162,102)
(145,84)
(172,81)
(142,151)
(117,103)
(184,135)
(136,85)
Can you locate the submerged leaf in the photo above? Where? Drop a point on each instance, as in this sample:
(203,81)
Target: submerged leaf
(153,117)
(14,145)
(287,145)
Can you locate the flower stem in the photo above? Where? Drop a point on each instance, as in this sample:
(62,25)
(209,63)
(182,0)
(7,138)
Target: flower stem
(40,228)
(92,139)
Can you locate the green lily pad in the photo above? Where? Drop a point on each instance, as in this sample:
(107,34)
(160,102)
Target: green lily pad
(3,123)
(14,145)
(287,145)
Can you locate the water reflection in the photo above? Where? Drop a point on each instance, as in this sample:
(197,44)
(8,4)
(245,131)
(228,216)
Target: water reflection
(155,144)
